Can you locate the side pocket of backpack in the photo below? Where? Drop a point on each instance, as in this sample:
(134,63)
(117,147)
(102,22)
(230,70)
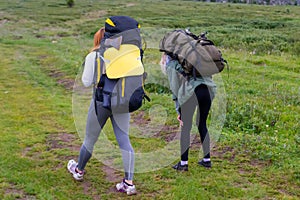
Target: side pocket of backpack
(108,86)
(99,94)
(106,100)
(136,99)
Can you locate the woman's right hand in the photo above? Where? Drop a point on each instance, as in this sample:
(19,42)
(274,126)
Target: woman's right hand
(179,119)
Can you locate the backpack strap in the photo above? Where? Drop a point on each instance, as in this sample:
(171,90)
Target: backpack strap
(100,69)
(96,79)
(225,61)
(194,73)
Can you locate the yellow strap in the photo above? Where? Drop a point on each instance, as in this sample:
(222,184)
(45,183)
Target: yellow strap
(108,21)
(123,87)
(98,70)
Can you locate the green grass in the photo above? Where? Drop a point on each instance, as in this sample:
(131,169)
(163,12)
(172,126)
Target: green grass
(256,156)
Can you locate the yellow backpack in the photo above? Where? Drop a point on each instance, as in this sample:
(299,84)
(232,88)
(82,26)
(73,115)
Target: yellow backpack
(121,71)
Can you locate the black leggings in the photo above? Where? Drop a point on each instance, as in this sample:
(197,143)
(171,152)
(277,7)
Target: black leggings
(203,100)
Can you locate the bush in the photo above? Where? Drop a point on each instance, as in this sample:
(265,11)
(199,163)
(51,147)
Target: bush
(70,3)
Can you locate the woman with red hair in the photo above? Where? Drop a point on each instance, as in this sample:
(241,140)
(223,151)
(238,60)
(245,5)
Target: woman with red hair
(92,125)
(98,114)
(97,38)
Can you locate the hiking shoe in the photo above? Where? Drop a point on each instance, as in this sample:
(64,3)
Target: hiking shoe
(205,164)
(126,188)
(72,165)
(180,167)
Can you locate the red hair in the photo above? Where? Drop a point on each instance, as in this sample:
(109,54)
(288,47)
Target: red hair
(97,38)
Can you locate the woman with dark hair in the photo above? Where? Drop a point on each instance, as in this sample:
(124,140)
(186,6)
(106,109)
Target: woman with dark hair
(190,92)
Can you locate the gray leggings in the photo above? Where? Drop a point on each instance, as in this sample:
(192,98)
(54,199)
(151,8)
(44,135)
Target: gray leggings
(120,124)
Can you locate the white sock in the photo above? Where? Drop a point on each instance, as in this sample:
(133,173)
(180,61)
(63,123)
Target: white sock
(206,159)
(183,162)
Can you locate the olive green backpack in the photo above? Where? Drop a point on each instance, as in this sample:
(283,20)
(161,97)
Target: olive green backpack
(198,55)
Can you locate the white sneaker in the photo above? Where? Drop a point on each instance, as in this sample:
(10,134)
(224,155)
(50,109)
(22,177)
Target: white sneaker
(123,187)
(72,169)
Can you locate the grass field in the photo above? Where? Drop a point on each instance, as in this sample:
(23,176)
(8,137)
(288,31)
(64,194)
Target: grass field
(254,120)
